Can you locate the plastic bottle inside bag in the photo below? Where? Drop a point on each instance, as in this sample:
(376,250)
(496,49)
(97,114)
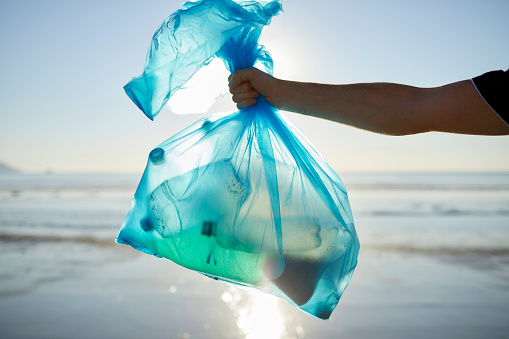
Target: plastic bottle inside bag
(199,213)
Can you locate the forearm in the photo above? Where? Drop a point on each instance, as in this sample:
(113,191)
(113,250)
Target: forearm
(378,107)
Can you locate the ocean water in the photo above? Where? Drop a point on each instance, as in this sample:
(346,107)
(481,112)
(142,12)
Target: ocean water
(429,243)
(425,211)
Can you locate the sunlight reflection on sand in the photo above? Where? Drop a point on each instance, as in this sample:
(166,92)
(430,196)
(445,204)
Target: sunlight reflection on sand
(258,314)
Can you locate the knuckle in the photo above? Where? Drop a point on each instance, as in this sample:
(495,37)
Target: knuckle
(246,86)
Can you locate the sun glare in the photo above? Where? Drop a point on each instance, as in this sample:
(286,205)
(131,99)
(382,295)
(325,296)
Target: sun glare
(199,93)
(258,315)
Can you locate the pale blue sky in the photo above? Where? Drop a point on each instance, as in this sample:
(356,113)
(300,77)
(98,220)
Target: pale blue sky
(63,65)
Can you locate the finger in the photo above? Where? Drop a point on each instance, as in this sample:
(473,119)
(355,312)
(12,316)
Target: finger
(239,97)
(246,103)
(243,87)
(229,78)
(240,76)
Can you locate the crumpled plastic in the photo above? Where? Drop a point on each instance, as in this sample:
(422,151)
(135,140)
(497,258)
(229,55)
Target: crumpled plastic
(241,197)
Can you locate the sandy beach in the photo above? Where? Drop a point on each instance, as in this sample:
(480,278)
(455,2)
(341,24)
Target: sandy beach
(433,263)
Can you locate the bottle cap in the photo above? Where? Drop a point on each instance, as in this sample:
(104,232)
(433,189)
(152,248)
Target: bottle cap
(157,155)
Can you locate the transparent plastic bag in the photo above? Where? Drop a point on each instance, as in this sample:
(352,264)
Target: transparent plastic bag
(241,197)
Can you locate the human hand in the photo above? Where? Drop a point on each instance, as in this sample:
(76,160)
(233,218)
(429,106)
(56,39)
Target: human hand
(246,84)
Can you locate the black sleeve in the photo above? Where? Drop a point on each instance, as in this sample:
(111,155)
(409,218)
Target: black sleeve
(494,88)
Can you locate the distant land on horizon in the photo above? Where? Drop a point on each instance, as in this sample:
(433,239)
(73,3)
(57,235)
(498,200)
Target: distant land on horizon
(5,169)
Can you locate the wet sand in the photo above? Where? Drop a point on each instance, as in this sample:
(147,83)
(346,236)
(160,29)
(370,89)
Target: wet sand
(57,289)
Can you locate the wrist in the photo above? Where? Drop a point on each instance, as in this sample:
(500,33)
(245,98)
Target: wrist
(276,95)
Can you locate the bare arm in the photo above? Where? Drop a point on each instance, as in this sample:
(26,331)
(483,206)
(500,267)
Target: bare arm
(378,107)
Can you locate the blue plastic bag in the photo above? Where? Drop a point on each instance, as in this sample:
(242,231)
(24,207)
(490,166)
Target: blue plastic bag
(241,197)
